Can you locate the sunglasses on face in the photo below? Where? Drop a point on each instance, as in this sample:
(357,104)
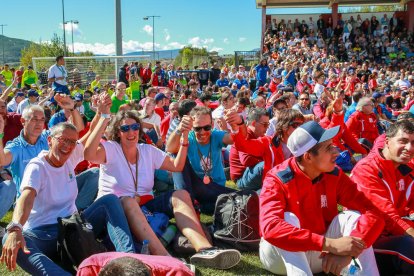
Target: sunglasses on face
(265,124)
(304,99)
(206,128)
(133,127)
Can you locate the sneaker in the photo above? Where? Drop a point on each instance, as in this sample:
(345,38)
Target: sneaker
(189,266)
(2,233)
(216,258)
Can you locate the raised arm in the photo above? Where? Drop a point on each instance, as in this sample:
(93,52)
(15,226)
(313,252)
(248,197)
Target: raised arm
(177,164)
(6,92)
(173,143)
(67,104)
(5,155)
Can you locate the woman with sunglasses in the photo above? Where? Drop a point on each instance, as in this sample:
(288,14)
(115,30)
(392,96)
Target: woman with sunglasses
(127,170)
(272,149)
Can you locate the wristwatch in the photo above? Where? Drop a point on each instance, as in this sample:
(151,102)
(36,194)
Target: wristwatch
(242,121)
(14,224)
(106,116)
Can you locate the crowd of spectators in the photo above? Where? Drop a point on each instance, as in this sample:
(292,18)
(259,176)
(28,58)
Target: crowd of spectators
(325,119)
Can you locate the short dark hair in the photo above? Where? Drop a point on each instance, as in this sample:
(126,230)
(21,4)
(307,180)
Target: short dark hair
(58,58)
(205,97)
(405,125)
(185,107)
(357,96)
(125,266)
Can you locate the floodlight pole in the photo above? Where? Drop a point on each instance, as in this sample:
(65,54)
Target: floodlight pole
(72,22)
(64,31)
(2,41)
(153,31)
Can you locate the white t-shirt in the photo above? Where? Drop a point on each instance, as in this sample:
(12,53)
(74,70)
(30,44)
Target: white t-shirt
(154,119)
(115,177)
(318,90)
(271,130)
(57,71)
(56,188)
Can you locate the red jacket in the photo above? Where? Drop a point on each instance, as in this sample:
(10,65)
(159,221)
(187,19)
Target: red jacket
(287,189)
(268,148)
(389,188)
(362,125)
(239,161)
(344,136)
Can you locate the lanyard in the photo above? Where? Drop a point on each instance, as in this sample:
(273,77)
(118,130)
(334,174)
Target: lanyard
(205,167)
(135,179)
(62,70)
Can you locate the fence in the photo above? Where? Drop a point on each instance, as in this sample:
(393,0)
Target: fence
(246,58)
(77,67)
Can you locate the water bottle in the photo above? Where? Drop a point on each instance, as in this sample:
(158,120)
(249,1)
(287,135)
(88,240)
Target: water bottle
(145,248)
(168,235)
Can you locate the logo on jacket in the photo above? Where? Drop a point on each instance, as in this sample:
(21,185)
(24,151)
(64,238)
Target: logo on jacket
(324,201)
(401,185)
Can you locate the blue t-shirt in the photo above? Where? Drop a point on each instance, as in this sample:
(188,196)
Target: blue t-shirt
(261,72)
(216,140)
(241,83)
(222,83)
(351,109)
(290,79)
(57,118)
(22,153)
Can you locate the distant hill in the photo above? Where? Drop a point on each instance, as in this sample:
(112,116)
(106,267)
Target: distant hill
(12,48)
(164,54)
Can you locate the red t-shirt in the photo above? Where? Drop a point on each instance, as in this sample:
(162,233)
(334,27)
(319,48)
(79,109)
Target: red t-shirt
(159,265)
(12,128)
(160,112)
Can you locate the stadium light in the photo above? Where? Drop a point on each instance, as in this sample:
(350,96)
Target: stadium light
(64,31)
(153,31)
(72,22)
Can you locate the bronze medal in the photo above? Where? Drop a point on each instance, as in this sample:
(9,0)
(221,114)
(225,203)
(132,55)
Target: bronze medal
(206,179)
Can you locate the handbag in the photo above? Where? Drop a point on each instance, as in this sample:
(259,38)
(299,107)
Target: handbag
(76,241)
(158,221)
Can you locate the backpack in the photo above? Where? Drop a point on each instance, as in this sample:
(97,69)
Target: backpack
(236,220)
(76,241)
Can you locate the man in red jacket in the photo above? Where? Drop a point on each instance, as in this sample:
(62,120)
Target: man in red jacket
(387,181)
(302,232)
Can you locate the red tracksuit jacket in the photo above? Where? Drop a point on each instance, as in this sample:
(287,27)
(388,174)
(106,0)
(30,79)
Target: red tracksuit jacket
(287,189)
(389,188)
(363,126)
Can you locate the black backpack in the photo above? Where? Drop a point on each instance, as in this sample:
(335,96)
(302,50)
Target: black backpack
(76,241)
(236,220)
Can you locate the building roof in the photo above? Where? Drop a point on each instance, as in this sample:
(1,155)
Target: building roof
(323,3)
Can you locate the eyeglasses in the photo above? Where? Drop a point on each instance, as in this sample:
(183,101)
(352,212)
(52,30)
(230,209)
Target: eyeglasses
(66,141)
(206,128)
(133,127)
(295,124)
(303,99)
(265,124)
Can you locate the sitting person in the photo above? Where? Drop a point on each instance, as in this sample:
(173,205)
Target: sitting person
(135,185)
(247,170)
(363,122)
(203,180)
(151,121)
(116,263)
(386,179)
(302,232)
(272,149)
(48,191)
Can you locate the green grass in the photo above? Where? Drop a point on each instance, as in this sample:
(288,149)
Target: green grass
(249,264)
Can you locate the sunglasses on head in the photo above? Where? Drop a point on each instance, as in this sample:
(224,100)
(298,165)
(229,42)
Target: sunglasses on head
(206,128)
(295,124)
(126,128)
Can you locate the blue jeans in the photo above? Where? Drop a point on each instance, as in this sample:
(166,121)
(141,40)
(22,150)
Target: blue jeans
(251,178)
(105,214)
(87,188)
(205,194)
(7,195)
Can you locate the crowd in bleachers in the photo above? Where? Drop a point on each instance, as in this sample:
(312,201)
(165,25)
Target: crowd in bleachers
(325,119)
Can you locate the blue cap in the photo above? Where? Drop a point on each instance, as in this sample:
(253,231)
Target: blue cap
(387,90)
(78,97)
(159,97)
(32,93)
(309,135)
(20,94)
(377,95)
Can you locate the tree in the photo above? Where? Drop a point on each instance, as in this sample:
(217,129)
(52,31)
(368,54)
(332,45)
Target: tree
(191,56)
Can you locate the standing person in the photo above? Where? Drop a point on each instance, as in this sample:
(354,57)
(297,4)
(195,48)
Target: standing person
(29,77)
(297,243)
(122,75)
(48,192)
(262,69)
(58,76)
(118,98)
(18,76)
(90,76)
(386,178)
(8,75)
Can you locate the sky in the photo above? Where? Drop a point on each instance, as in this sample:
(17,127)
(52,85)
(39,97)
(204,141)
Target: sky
(219,25)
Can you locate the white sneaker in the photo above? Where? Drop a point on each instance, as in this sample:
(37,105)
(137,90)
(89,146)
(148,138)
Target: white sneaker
(216,258)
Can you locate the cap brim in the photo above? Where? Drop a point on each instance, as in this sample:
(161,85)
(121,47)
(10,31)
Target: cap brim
(329,134)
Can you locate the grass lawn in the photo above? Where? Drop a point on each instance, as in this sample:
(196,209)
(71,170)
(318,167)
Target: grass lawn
(249,265)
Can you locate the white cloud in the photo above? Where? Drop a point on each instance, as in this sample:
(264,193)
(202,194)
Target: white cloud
(167,35)
(127,47)
(147,29)
(242,39)
(226,41)
(68,28)
(216,49)
(200,42)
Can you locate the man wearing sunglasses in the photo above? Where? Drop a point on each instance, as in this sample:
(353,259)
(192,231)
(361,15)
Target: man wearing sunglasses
(203,173)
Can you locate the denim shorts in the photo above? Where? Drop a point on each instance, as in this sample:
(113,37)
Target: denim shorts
(162,204)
